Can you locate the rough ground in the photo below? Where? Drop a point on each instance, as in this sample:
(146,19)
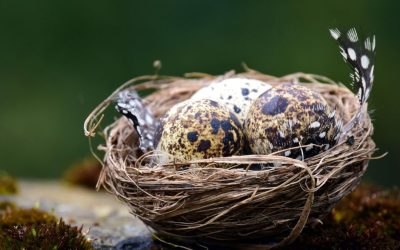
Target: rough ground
(366,219)
(107,222)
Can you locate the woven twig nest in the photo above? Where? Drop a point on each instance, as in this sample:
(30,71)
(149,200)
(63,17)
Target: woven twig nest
(205,202)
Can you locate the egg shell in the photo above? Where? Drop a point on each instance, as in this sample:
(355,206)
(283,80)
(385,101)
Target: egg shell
(198,130)
(236,93)
(290,115)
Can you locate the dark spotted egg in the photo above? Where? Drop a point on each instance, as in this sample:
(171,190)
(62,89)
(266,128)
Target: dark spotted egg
(235,93)
(290,115)
(199,129)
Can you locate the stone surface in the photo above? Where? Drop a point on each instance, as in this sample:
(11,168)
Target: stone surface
(105,220)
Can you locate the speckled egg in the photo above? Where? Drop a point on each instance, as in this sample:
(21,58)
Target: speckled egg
(290,115)
(236,93)
(198,130)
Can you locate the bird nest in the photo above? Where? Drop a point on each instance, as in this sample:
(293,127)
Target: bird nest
(203,202)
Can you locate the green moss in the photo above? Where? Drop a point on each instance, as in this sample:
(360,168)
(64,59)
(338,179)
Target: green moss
(84,173)
(35,229)
(369,218)
(8,185)
(16,216)
(5,205)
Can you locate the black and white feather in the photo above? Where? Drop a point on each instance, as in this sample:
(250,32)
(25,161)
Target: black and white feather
(360,55)
(129,104)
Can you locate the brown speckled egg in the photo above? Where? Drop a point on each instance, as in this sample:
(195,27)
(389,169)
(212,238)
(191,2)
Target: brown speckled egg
(198,130)
(291,115)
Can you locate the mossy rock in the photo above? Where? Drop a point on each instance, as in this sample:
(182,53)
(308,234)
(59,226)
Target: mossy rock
(35,229)
(84,173)
(5,205)
(8,185)
(369,218)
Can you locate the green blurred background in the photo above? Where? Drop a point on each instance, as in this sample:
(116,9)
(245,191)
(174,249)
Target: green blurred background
(59,59)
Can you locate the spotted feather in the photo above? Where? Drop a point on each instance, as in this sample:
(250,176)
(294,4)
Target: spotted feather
(129,104)
(360,56)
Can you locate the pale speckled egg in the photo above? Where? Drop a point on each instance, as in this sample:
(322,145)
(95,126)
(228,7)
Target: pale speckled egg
(198,130)
(291,115)
(236,93)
